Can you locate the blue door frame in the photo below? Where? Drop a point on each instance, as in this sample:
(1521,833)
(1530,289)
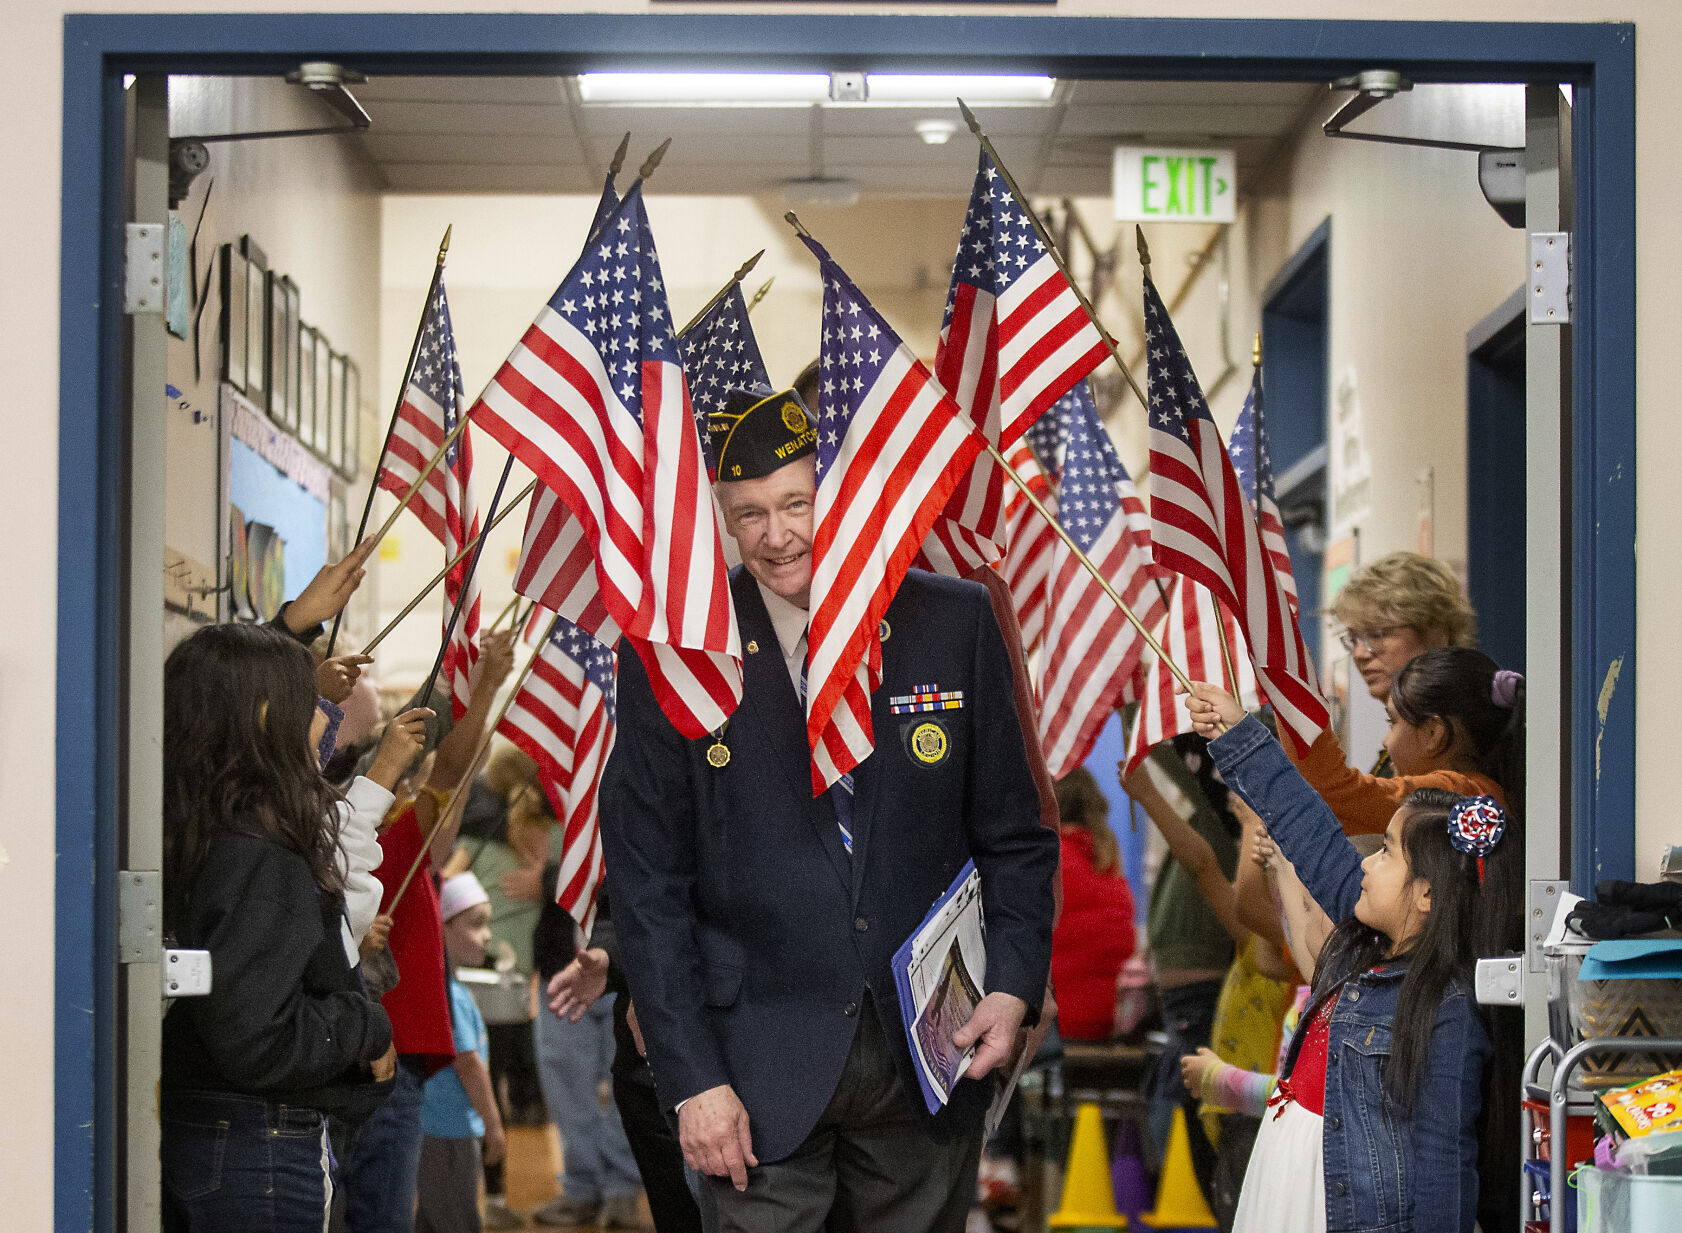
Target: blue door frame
(1597,58)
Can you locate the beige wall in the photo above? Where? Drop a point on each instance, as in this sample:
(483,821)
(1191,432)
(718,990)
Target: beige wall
(30,92)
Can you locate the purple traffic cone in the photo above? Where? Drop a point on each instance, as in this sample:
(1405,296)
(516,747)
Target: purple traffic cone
(1127,1172)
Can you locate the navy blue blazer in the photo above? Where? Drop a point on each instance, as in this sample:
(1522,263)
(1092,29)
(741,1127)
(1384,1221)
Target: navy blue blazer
(748,935)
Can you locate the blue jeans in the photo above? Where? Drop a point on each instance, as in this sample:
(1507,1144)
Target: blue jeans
(572,1065)
(242,1162)
(384,1160)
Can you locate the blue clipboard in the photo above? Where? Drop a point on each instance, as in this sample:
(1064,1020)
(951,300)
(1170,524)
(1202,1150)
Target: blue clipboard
(961,982)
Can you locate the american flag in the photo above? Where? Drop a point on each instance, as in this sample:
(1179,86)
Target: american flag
(1030,545)
(1092,651)
(563,717)
(1014,340)
(1253,461)
(1203,527)
(1191,637)
(720,355)
(431,406)
(625,541)
(891,445)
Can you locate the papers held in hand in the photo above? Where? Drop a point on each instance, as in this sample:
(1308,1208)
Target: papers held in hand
(940,972)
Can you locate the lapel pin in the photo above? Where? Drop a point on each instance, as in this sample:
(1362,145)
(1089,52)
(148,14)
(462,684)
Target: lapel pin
(884,630)
(753,647)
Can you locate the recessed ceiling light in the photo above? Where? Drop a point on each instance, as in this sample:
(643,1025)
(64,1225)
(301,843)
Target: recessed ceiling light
(935,132)
(807,89)
(716,89)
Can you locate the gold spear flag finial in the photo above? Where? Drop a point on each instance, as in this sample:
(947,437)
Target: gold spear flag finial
(760,294)
(969,118)
(444,245)
(619,155)
(647,169)
(1255,352)
(747,267)
(1144,249)
(793,220)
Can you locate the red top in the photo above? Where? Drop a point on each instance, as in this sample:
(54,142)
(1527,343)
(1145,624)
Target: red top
(1307,1084)
(419,1006)
(1093,938)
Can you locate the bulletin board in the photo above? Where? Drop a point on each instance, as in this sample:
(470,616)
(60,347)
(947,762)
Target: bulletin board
(274,482)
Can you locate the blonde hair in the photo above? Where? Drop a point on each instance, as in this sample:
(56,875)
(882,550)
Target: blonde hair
(1081,802)
(1405,588)
(509,770)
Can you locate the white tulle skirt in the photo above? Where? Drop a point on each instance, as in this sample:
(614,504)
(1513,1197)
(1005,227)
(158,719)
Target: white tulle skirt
(1285,1183)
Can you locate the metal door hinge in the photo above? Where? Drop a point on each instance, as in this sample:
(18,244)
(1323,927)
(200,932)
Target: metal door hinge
(143,267)
(1540,907)
(139,916)
(1550,277)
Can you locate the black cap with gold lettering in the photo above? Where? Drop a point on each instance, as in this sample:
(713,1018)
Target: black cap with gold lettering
(757,432)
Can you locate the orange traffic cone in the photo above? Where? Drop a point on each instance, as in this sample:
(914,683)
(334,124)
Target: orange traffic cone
(1088,1200)
(1179,1199)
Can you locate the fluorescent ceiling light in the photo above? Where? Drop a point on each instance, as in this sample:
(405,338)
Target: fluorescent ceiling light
(749,89)
(807,89)
(919,88)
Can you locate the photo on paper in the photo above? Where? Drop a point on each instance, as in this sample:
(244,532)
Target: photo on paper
(954,1000)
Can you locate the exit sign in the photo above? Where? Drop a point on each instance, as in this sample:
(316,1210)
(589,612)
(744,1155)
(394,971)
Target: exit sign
(1165,185)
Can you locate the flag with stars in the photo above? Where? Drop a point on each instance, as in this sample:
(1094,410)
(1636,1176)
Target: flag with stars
(432,405)
(891,445)
(1013,341)
(720,355)
(1202,527)
(1251,458)
(1192,637)
(593,400)
(1092,652)
(563,717)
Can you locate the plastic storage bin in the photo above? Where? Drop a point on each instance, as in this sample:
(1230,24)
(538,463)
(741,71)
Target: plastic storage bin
(1579,1009)
(1623,1203)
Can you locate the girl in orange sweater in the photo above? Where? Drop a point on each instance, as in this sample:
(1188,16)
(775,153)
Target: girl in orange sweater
(1456,723)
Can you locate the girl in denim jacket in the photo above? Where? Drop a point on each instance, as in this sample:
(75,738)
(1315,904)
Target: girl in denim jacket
(1374,1126)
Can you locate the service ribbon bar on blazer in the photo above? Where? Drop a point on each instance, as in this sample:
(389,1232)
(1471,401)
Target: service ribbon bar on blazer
(1014,339)
(891,447)
(593,400)
(1092,652)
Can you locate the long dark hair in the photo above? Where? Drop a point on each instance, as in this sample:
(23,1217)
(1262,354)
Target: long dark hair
(1444,951)
(1457,685)
(238,701)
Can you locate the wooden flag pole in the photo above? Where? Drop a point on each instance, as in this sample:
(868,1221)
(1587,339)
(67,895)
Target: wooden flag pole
(391,425)
(745,269)
(1052,249)
(1091,567)
(457,793)
(457,560)
(760,294)
(505,613)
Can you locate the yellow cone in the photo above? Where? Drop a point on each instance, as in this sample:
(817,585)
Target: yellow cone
(1088,1200)
(1179,1199)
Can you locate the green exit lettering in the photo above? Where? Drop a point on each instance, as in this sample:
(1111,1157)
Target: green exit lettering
(1179,186)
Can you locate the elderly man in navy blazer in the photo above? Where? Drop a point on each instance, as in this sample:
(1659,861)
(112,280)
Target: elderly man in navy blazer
(757,923)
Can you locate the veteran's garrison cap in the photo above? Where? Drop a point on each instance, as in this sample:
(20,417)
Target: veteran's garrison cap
(758,431)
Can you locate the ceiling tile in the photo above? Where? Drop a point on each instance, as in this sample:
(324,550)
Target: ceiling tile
(463,89)
(386,147)
(506,178)
(651,125)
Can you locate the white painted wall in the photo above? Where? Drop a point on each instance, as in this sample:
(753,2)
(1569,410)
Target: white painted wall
(30,92)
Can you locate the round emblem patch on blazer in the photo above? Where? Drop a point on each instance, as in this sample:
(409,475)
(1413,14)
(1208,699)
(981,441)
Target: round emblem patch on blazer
(929,743)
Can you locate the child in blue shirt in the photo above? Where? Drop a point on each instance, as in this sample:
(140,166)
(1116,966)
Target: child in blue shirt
(460,1108)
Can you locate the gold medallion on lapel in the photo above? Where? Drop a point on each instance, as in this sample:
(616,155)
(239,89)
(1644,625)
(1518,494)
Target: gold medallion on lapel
(929,743)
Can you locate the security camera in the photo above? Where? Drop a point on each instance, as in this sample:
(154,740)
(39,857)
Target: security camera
(188,156)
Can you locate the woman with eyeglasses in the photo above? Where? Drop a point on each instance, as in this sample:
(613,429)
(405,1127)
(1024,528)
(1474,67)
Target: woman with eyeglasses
(1395,608)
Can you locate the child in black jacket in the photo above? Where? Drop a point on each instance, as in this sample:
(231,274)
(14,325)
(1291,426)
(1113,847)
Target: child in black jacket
(251,874)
